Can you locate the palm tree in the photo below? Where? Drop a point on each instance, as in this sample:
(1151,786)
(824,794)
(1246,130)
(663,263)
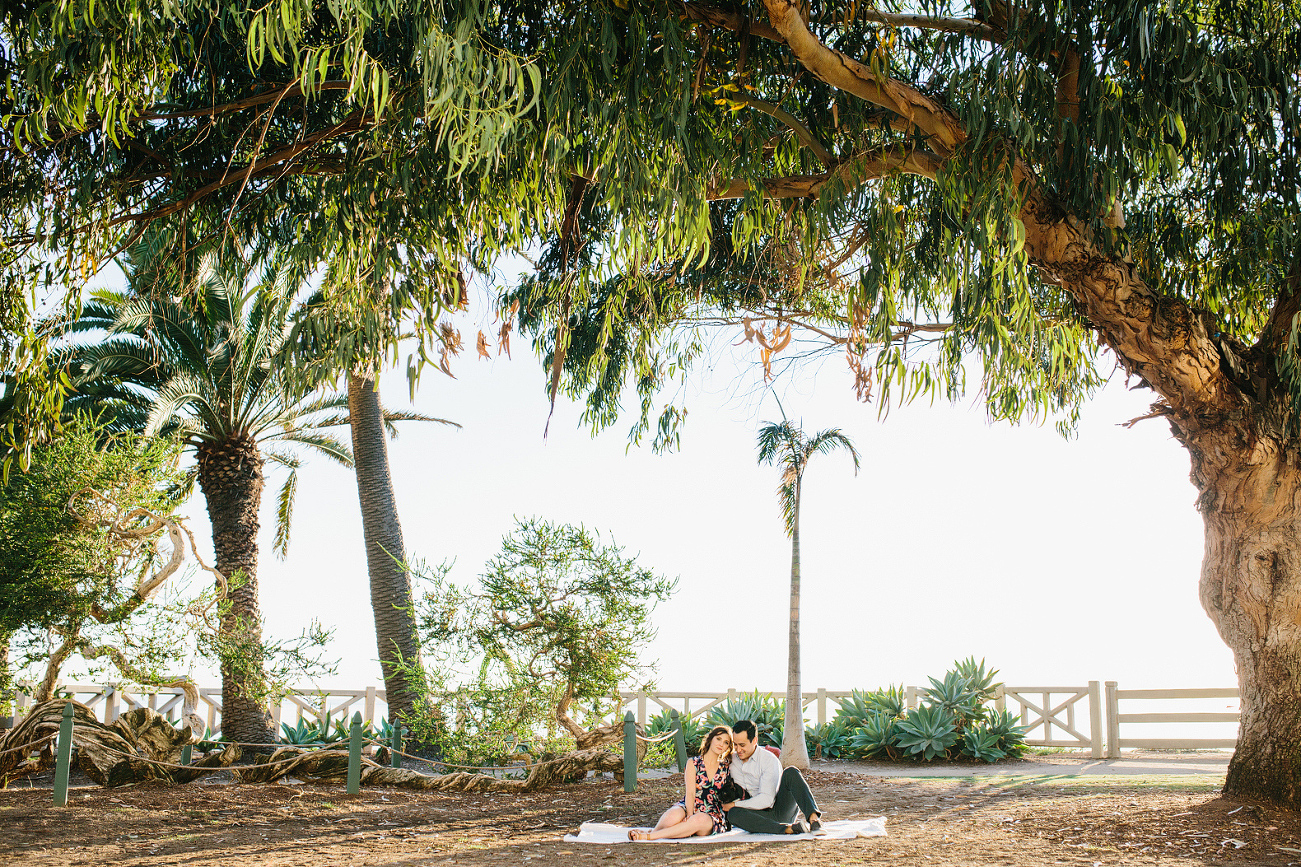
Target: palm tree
(330,339)
(786,446)
(200,362)
(386,562)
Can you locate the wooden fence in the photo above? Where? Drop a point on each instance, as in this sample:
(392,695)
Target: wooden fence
(1075,717)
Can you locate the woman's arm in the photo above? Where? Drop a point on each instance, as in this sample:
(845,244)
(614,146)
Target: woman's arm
(690,800)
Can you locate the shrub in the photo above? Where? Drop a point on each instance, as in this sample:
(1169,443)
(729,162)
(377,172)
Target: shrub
(981,744)
(877,737)
(829,741)
(928,731)
(953,720)
(861,706)
(767,713)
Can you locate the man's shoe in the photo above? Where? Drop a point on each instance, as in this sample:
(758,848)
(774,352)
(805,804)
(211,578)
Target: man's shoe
(815,825)
(800,826)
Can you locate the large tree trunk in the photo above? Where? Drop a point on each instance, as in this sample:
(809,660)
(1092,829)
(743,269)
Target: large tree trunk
(1251,588)
(230,476)
(390,582)
(795,752)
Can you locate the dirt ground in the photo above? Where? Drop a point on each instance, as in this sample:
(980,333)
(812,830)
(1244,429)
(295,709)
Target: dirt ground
(957,821)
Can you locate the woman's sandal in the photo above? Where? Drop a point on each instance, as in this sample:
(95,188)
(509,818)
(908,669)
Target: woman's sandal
(636,835)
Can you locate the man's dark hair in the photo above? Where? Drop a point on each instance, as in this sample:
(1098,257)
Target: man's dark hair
(747,728)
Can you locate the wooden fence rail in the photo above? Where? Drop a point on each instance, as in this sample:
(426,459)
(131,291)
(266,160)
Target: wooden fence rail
(1055,716)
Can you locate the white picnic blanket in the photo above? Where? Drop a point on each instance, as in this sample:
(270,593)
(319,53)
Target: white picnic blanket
(844,829)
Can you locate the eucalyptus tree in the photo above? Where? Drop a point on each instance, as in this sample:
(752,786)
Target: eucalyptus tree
(1019,194)
(322,125)
(203,363)
(786,446)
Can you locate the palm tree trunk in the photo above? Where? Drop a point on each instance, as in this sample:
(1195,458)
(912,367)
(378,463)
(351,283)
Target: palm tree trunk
(230,476)
(795,752)
(390,582)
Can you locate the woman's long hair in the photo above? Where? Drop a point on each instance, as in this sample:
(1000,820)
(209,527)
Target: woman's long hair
(709,739)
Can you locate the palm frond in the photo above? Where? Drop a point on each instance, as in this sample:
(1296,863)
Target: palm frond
(327,444)
(391,417)
(285,513)
(827,441)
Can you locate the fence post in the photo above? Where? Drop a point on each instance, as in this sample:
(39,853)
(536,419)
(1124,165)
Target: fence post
(1113,721)
(629,752)
(910,697)
(822,706)
(370,704)
(110,703)
(641,707)
(395,758)
(679,740)
(1095,719)
(1000,698)
(63,758)
(354,755)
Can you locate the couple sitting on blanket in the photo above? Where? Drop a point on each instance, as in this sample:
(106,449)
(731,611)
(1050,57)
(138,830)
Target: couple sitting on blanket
(735,783)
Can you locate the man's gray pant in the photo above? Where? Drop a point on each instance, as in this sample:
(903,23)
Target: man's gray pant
(792,794)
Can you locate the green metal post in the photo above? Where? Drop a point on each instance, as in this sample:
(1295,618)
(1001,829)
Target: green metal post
(63,760)
(679,739)
(354,755)
(395,757)
(187,753)
(629,752)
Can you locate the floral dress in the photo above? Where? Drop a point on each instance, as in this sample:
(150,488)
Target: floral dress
(707,792)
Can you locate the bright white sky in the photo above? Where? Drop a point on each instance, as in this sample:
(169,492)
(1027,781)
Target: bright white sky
(1057,561)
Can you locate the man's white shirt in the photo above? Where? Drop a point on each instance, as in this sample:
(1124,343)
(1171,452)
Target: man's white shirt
(760,776)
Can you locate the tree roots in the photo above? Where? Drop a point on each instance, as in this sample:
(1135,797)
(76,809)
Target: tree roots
(142,746)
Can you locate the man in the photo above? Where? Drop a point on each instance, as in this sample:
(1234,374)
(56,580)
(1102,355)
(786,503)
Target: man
(774,795)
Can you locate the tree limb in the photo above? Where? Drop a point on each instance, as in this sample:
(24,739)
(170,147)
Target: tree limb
(852,172)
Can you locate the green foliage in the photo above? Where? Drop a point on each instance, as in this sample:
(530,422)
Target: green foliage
(954,719)
(956,695)
(548,635)
(693,728)
(60,560)
(861,706)
(830,741)
(877,736)
(1011,736)
(80,563)
(981,744)
(928,731)
(767,712)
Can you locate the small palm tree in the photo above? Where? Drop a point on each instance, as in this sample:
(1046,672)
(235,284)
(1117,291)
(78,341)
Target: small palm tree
(201,362)
(786,446)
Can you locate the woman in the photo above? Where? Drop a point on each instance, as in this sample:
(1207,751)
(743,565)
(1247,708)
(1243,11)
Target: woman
(701,812)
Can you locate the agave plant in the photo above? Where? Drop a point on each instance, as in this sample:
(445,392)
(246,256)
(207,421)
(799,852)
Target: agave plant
(860,705)
(767,713)
(955,694)
(829,741)
(980,680)
(927,732)
(1011,735)
(693,730)
(876,737)
(982,744)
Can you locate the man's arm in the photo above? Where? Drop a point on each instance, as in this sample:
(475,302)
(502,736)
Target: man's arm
(770,776)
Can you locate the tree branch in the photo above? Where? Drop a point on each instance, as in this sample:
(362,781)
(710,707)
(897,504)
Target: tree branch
(851,172)
(805,134)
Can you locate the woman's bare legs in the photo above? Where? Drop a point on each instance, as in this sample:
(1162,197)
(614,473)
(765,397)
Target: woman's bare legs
(699,825)
(672,816)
